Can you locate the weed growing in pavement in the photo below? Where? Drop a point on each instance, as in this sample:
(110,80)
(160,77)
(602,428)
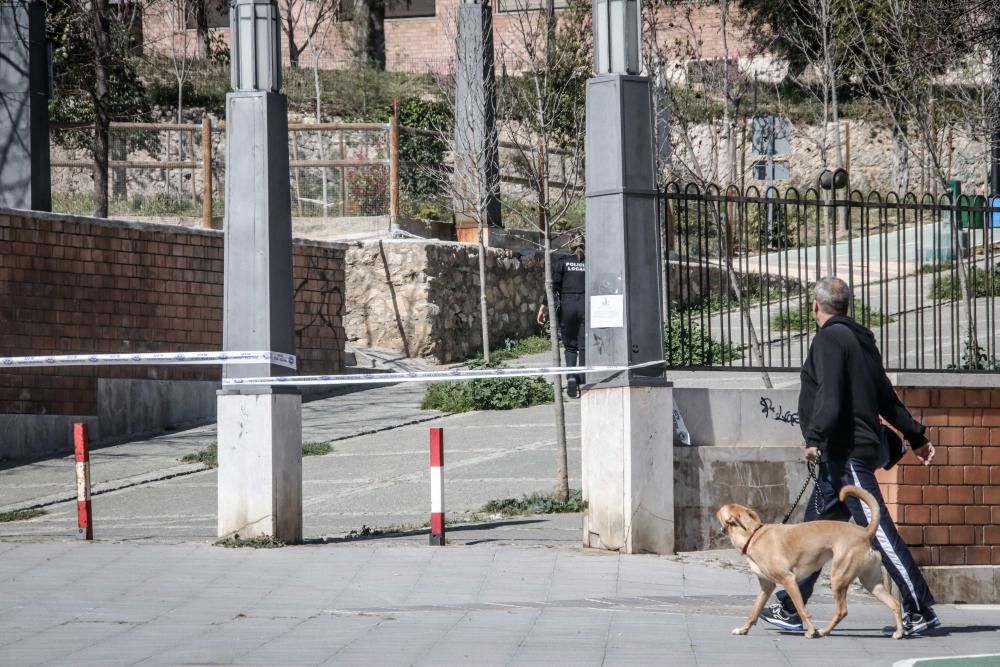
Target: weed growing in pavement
(21,515)
(369,531)
(259,542)
(316,448)
(537,503)
(208,456)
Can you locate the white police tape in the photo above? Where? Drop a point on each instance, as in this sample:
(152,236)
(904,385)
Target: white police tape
(430,376)
(150,359)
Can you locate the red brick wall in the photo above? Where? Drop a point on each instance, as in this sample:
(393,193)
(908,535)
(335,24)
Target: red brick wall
(684,31)
(79,285)
(949,512)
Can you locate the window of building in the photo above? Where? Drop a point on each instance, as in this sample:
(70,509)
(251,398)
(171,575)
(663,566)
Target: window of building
(507,6)
(409,9)
(218,15)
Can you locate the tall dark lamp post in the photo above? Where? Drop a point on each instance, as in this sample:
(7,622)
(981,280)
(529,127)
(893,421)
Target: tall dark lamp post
(627,416)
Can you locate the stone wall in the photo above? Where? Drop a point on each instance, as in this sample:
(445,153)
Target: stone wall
(421,298)
(73,285)
(870,158)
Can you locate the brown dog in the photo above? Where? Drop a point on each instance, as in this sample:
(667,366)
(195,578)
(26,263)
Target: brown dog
(783,554)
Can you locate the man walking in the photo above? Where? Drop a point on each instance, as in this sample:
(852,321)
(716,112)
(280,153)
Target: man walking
(844,392)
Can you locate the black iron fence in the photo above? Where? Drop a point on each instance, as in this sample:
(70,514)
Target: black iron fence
(741,265)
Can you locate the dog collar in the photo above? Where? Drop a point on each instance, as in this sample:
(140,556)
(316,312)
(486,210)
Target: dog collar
(747,545)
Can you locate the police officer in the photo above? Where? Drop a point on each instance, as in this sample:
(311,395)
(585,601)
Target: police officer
(569,282)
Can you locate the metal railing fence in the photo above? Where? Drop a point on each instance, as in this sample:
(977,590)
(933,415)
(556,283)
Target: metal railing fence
(169,170)
(741,265)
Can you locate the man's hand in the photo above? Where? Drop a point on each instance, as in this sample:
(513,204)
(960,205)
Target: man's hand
(541,314)
(925,453)
(812,454)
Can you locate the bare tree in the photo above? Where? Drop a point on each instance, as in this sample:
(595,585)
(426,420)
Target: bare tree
(303,21)
(543,107)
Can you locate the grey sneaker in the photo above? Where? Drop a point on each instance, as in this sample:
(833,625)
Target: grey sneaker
(915,623)
(776,615)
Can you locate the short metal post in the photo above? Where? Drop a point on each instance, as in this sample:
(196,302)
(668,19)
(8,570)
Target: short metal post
(394,167)
(437,487)
(85,519)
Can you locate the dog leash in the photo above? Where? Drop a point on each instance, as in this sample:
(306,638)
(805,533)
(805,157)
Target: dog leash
(811,467)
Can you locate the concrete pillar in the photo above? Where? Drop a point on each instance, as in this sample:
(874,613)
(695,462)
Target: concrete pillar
(24,106)
(477,160)
(260,428)
(627,417)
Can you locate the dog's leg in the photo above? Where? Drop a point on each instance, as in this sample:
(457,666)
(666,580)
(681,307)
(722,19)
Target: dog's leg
(872,579)
(840,581)
(766,588)
(792,588)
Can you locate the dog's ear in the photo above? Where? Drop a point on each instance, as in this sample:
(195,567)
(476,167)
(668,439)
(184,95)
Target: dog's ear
(753,515)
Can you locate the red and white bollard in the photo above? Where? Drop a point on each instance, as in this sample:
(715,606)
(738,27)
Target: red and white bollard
(85,518)
(437,487)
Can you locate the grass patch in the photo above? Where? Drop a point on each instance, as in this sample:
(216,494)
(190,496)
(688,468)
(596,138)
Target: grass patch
(799,318)
(21,515)
(948,286)
(316,448)
(935,268)
(259,542)
(520,347)
(208,456)
(537,503)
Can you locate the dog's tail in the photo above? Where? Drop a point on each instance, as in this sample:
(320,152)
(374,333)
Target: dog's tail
(867,499)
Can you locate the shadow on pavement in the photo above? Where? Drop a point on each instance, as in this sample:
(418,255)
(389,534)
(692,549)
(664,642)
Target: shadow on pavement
(378,534)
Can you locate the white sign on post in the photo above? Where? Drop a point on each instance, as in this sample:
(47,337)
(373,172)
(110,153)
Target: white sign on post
(607,311)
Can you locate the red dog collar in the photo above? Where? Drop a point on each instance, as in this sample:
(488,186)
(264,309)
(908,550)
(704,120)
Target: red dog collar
(747,545)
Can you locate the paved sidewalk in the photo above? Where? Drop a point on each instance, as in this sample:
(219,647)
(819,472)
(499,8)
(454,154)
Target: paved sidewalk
(378,603)
(507,591)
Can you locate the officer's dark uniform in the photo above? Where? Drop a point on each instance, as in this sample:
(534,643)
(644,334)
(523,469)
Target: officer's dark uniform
(569,281)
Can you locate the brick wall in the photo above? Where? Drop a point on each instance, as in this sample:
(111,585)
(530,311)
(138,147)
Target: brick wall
(71,285)
(949,512)
(689,30)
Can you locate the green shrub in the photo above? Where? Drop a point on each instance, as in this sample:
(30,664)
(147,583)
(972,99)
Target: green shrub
(537,503)
(975,358)
(503,393)
(686,344)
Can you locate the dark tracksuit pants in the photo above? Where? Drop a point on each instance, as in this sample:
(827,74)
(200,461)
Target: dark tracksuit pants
(896,557)
(572,327)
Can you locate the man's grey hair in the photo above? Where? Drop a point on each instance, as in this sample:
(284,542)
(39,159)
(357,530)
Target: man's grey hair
(833,295)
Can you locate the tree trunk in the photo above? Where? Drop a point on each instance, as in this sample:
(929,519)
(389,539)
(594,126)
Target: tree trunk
(369,33)
(562,460)
(483,310)
(200,9)
(101,27)
(375,43)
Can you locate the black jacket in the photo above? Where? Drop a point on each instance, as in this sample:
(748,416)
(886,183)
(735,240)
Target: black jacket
(569,276)
(844,390)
